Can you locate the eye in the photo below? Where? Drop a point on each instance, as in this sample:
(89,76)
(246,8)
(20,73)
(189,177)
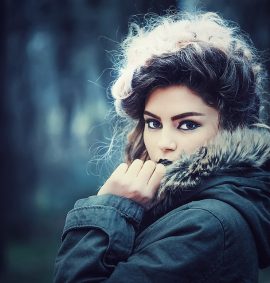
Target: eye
(153,124)
(188,125)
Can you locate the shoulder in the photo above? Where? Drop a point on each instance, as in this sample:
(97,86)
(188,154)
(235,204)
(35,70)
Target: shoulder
(207,223)
(206,236)
(208,213)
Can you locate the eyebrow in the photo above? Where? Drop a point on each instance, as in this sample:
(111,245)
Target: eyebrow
(179,116)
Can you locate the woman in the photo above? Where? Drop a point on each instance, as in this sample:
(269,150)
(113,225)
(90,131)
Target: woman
(192,201)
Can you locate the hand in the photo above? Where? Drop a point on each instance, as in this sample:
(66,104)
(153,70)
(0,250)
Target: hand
(138,182)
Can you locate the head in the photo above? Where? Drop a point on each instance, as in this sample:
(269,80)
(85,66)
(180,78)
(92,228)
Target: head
(181,65)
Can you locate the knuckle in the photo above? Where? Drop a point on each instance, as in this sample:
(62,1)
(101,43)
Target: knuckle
(138,161)
(160,169)
(150,163)
(130,184)
(119,182)
(115,182)
(122,167)
(123,164)
(134,189)
(124,183)
(153,187)
(139,186)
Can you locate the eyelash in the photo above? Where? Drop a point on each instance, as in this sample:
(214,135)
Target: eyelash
(197,125)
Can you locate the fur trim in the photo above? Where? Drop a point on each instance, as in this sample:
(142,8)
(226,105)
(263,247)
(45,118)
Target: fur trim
(228,150)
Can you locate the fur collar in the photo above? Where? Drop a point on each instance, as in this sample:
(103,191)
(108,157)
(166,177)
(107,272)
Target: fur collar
(240,148)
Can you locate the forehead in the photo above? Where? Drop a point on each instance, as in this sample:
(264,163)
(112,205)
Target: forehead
(175,100)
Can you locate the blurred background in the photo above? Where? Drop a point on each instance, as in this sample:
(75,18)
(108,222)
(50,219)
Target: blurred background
(56,68)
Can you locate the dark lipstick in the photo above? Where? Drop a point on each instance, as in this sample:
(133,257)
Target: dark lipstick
(165,162)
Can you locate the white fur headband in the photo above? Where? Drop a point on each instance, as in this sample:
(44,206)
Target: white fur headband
(168,35)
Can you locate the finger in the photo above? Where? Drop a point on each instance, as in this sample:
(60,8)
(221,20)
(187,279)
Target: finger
(146,171)
(134,168)
(156,177)
(120,170)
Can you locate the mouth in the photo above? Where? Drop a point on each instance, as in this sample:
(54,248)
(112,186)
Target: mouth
(165,162)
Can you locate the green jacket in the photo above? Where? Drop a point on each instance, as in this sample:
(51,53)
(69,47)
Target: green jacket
(212,225)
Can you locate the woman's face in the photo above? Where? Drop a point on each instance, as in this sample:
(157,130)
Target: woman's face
(177,120)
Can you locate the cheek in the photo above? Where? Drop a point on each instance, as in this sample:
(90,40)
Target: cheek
(146,140)
(149,143)
(199,140)
(192,145)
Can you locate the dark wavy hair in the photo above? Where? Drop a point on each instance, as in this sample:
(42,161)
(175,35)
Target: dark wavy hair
(227,77)
(225,83)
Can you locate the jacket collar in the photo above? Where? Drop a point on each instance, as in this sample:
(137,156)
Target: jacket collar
(243,147)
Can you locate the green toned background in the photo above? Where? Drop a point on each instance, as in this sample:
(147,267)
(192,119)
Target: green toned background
(56,67)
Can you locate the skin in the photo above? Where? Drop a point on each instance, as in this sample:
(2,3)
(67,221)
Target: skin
(167,135)
(176,120)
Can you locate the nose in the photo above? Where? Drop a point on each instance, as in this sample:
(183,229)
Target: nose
(167,142)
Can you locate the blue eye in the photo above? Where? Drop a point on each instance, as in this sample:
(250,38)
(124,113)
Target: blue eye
(188,125)
(153,124)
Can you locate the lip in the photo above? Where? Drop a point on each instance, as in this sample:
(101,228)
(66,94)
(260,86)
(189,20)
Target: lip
(165,162)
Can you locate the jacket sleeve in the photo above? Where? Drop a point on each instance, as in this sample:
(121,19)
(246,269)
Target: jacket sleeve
(187,245)
(99,232)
